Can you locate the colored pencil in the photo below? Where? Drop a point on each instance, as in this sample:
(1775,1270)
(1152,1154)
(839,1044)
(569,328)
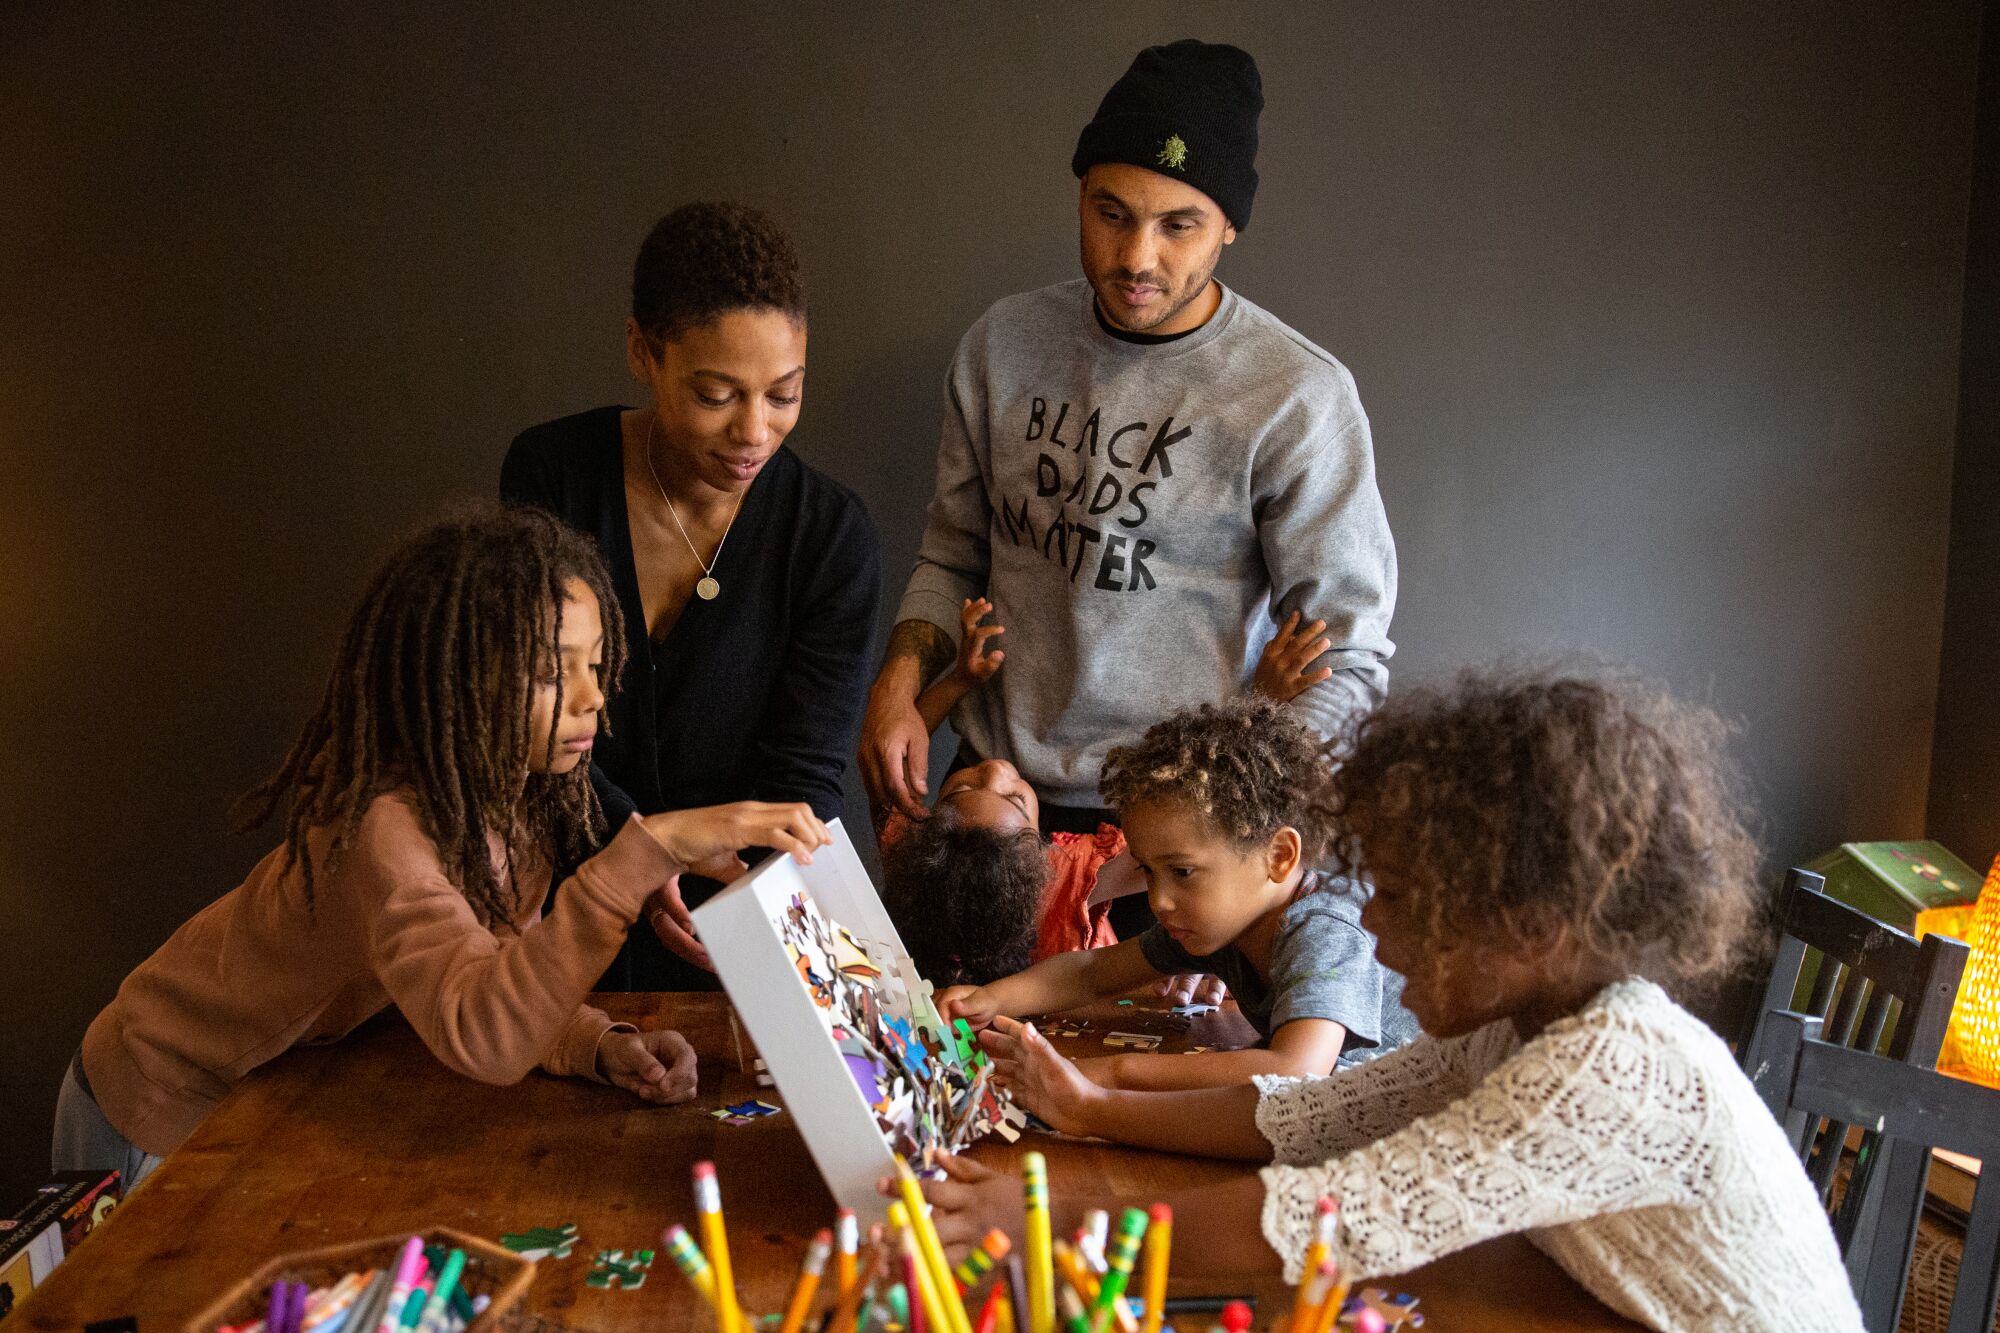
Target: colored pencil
(1159,1250)
(715,1235)
(687,1257)
(1041,1310)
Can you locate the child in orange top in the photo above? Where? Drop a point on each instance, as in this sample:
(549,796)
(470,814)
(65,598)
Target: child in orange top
(443,775)
(976,891)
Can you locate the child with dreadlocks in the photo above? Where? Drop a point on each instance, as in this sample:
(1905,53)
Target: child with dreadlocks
(977,892)
(1223,811)
(442,777)
(1549,853)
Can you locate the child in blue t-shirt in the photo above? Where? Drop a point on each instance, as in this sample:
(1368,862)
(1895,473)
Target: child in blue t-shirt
(1225,811)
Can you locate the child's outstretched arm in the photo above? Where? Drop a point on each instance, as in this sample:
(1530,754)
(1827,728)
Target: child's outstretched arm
(494,1010)
(1208,1122)
(1302,1048)
(1061,982)
(975,664)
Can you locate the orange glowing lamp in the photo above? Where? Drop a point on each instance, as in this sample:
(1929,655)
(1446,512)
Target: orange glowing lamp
(1972,1043)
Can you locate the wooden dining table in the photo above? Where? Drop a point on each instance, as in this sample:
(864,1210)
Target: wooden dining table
(372,1137)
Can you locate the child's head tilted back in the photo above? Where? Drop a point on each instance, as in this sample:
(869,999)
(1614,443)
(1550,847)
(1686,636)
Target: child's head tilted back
(1224,807)
(471,677)
(965,895)
(1531,837)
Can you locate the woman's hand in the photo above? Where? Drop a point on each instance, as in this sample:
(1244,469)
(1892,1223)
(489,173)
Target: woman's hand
(976,665)
(674,924)
(702,838)
(969,1202)
(1281,671)
(1039,1077)
(975,1004)
(658,1066)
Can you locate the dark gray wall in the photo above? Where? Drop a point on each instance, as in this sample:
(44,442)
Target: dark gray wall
(1655,307)
(1965,759)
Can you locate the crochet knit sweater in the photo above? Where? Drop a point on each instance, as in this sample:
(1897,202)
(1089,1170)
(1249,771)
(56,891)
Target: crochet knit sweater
(1623,1139)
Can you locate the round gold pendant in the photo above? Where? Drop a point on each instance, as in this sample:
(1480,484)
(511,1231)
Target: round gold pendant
(707,589)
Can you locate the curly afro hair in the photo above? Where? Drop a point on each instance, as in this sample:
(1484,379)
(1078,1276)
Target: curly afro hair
(966,899)
(1246,767)
(1532,804)
(702,261)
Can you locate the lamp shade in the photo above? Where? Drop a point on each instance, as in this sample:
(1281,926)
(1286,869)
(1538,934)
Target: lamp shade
(1975,1019)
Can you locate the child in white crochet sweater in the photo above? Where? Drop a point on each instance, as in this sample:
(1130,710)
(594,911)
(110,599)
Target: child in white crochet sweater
(1545,852)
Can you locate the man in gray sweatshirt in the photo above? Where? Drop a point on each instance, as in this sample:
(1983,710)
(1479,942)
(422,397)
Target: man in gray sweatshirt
(1144,472)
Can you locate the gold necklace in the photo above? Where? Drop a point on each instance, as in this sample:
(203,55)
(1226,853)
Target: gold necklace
(707,588)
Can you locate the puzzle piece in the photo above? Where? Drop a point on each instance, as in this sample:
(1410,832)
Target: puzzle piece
(1393,1311)
(753,1109)
(1128,1003)
(542,1242)
(1194,1010)
(1064,1027)
(614,1271)
(1197,1050)
(1132,1041)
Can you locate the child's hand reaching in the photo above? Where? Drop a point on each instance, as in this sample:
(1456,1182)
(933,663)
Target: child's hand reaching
(975,664)
(974,1004)
(1281,671)
(658,1065)
(1038,1075)
(969,1202)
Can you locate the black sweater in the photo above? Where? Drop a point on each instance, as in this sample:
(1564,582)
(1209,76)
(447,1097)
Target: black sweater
(756,695)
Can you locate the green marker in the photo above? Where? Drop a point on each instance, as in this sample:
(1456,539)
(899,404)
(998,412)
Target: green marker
(438,1310)
(1118,1266)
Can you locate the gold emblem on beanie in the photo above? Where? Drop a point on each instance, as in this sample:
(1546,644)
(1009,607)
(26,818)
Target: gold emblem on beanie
(1173,153)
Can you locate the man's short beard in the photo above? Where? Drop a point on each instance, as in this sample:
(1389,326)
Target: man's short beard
(1195,289)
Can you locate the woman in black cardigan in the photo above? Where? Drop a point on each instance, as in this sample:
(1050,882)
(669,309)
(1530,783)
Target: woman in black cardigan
(756,579)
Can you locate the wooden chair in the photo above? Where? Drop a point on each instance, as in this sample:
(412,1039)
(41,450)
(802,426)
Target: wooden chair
(1803,1079)
(1872,982)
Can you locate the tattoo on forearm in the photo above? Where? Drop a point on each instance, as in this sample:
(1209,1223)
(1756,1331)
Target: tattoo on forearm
(923,641)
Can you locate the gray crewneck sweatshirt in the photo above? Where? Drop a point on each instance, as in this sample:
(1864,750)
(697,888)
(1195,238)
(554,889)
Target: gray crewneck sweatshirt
(1143,518)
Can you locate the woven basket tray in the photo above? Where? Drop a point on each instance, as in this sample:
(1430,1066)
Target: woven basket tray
(490,1270)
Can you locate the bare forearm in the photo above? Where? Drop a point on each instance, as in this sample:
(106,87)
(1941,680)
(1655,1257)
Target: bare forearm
(1207,1122)
(934,705)
(918,651)
(1209,1069)
(1054,984)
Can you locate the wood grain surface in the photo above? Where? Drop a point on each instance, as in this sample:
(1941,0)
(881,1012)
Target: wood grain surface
(373,1135)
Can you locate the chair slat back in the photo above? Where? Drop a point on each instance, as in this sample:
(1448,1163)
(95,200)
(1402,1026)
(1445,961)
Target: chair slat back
(1913,1110)
(1872,981)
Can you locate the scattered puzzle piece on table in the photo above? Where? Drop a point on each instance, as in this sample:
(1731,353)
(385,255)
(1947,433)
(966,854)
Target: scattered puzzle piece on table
(1132,1041)
(1128,1003)
(1396,1311)
(614,1271)
(542,1242)
(1194,1010)
(754,1109)
(1064,1027)
(1197,1050)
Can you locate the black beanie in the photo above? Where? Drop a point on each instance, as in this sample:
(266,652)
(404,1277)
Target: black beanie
(1187,110)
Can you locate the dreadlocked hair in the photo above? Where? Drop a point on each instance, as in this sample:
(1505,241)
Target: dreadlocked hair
(432,694)
(965,898)
(1526,804)
(1246,767)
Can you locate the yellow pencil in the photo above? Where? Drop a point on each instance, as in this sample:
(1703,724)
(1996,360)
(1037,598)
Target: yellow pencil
(1159,1242)
(926,1293)
(808,1283)
(932,1251)
(708,1202)
(1005,1324)
(1325,1223)
(1336,1297)
(847,1241)
(691,1261)
(1041,1311)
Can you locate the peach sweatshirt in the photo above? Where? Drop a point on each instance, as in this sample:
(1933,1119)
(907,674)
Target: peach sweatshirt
(256,973)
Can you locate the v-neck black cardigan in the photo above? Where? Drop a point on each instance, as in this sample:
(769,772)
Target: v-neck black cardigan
(756,695)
